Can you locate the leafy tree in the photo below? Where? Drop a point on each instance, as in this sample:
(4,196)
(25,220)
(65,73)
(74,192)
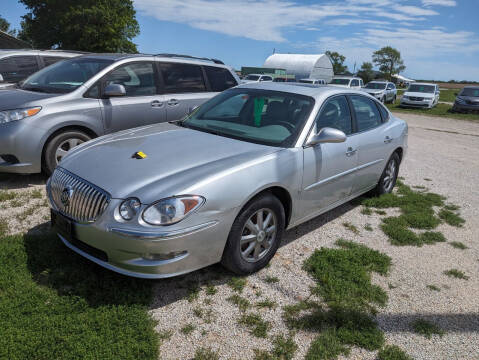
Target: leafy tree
(87,25)
(338,61)
(5,26)
(389,61)
(366,72)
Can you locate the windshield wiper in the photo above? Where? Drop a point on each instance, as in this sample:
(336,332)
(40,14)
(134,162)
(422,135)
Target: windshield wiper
(34,89)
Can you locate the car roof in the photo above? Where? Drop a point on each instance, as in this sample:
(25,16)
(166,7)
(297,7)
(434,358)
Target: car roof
(423,83)
(471,87)
(346,77)
(379,81)
(39,52)
(300,88)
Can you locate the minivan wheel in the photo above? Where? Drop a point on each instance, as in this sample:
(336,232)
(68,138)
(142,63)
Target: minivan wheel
(255,235)
(389,176)
(59,146)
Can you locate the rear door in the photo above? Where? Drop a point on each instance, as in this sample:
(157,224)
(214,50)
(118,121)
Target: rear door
(373,140)
(142,104)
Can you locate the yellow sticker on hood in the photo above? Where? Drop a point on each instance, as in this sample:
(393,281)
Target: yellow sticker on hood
(139,155)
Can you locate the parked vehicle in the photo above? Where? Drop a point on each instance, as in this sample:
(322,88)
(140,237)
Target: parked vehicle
(76,100)
(226,182)
(467,100)
(423,95)
(313,81)
(17,65)
(347,81)
(384,91)
(256,78)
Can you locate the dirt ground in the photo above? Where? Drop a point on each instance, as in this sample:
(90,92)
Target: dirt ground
(442,156)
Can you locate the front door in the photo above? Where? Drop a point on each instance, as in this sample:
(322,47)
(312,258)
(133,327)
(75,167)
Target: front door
(329,168)
(142,105)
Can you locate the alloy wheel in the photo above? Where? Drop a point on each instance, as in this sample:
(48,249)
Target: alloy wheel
(389,176)
(65,147)
(258,235)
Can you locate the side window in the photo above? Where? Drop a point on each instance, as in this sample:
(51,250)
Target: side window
(354,82)
(367,113)
(220,79)
(49,60)
(137,78)
(17,68)
(267,78)
(335,114)
(361,83)
(181,78)
(383,111)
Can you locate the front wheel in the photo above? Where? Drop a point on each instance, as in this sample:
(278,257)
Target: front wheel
(255,235)
(389,176)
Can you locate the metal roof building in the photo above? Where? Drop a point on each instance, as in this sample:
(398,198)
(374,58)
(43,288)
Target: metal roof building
(10,42)
(315,66)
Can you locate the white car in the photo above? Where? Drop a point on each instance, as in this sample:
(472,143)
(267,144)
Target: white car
(424,95)
(384,91)
(347,81)
(256,78)
(313,81)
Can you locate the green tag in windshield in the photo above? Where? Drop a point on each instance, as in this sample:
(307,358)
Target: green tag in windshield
(258,110)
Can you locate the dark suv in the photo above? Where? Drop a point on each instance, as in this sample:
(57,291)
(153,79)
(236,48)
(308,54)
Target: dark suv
(467,100)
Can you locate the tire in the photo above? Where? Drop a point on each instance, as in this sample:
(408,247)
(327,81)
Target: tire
(235,256)
(64,141)
(385,184)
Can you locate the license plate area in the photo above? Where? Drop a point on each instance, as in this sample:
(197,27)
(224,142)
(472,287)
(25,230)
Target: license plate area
(64,225)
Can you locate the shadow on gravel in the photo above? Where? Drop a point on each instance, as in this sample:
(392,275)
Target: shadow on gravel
(467,322)
(15,182)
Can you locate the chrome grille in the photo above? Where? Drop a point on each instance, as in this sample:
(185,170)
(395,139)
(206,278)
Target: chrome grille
(76,198)
(413,98)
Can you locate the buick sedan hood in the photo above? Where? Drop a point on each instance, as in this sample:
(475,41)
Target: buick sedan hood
(176,158)
(17,98)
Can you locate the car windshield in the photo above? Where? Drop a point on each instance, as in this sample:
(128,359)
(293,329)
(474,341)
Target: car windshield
(377,86)
(470,92)
(252,77)
(340,81)
(64,76)
(306,81)
(260,116)
(421,88)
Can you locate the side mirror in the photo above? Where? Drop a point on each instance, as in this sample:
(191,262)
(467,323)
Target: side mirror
(327,135)
(192,109)
(114,90)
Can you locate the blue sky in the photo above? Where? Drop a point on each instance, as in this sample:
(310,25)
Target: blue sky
(438,39)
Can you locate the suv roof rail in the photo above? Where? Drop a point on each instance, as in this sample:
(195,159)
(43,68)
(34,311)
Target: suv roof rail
(68,51)
(216,61)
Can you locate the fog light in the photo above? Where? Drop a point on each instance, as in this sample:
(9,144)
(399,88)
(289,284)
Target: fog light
(168,256)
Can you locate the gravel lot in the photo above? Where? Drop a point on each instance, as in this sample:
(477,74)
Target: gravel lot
(442,150)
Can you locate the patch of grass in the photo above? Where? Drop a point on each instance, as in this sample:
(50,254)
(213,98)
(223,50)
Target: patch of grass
(198,312)
(458,274)
(3,227)
(426,328)
(458,245)
(368,227)
(210,290)
(366,211)
(380,212)
(419,187)
(7,195)
(427,179)
(188,329)
(207,301)
(267,303)
(433,288)
(258,327)
(351,227)
(36,194)
(26,213)
(237,284)
(392,352)
(271,279)
(55,304)
(242,303)
(193,292)
(17,203)
(440,110)
(451,207)
(283,349)
(206,354)
(326,346)
(451,218)
(165,335)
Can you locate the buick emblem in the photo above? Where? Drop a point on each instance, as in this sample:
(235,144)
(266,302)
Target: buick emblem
(66,195)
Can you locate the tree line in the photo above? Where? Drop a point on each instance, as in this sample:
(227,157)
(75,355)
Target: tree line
(387,59)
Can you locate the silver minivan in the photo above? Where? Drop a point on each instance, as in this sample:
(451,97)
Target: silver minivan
(76,100)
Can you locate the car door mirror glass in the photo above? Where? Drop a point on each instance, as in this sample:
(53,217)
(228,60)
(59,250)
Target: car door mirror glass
(327,135)
(113,90)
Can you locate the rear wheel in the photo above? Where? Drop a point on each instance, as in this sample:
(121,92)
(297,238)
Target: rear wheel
(389,176)
(255,235)
(60,145)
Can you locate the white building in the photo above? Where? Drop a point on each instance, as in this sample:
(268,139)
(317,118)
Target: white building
(317,66)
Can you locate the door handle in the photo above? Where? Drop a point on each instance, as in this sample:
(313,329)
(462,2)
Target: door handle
(350,151)
(173,102)
(387,140)
(156,103)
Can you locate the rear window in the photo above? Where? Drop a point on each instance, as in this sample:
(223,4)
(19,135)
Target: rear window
(16,68)
(220,79)
(340,81)
(181,78)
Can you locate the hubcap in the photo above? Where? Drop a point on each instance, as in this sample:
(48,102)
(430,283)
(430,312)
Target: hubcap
(258,235)
(65,147)
(389,176)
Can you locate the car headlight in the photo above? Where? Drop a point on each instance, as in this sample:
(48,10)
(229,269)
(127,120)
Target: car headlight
(172,210)
(129,208)
(17,114)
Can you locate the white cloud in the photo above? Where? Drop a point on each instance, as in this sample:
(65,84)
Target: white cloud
(439,2)
(414,10)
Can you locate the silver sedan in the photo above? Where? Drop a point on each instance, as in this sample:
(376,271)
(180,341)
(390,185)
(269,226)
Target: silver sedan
(223,184)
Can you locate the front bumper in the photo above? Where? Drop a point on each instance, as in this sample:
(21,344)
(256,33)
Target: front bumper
(465,107)
(416,104)
(129,250)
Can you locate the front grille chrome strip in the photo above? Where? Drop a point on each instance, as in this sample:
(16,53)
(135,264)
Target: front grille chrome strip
(75,197)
